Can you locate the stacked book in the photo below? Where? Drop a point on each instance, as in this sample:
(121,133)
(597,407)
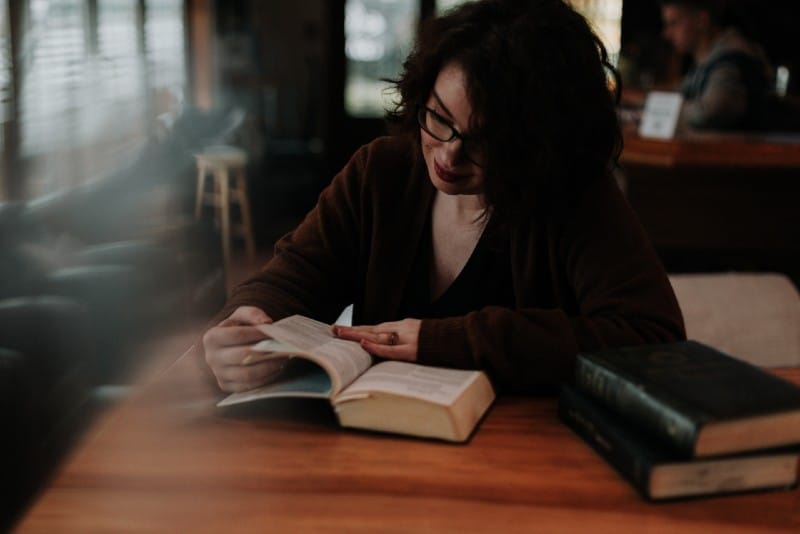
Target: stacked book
(685,420)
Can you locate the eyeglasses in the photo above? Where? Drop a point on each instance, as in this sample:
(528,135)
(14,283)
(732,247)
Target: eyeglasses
(440,129)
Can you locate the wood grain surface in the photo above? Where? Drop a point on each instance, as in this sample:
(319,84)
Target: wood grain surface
(167,460)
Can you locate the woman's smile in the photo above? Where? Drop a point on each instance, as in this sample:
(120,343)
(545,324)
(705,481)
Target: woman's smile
(446,175)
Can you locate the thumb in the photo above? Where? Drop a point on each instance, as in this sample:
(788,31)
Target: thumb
(250,315)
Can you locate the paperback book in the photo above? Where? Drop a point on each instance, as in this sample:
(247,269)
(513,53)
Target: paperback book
(389,396)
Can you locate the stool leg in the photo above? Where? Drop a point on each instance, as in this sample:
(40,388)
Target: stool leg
(217,196)
(201,185)
(221,178)
(247,221)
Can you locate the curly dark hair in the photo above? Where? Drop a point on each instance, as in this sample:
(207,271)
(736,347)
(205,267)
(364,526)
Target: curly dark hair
(536,77)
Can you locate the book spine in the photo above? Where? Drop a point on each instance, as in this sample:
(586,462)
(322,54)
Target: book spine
(637,403)
(602,435)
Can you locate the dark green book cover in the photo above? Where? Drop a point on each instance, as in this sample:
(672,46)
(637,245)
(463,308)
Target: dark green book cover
(656,470)
(701,401)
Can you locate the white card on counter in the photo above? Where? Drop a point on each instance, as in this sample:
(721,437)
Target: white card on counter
(660,116)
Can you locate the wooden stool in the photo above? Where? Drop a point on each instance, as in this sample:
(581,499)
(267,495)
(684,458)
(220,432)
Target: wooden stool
(223,163)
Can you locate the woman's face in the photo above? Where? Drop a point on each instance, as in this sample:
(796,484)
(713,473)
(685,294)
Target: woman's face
(452,170)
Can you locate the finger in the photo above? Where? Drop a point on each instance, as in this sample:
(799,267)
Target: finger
(226,336)
(244,315)
(251,375)
(226,356)
(253,357)
(235,387)
(383,338)
(380,327)
(347,332)
(368,333)
(406,353)
(339,330)
(238,387)
(352,334)
(237,355)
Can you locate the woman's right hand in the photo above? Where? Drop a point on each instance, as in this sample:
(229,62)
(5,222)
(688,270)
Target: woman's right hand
(227,345)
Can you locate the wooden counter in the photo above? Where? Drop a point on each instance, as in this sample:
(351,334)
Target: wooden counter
(714,149)
(717,202)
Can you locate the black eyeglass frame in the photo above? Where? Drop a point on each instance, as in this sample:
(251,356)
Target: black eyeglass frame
(466,140)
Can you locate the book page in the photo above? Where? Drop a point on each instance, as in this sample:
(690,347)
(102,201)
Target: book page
(433,384)
(301,378)
(343,360)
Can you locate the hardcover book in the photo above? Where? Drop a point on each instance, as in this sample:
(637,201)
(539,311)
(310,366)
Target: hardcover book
(657,471)
(390,396)
(699,400)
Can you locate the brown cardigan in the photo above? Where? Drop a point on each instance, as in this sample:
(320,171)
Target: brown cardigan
(587,282)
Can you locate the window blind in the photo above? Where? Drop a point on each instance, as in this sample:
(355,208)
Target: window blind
(53,69)
(165,38)
(90,73)
(5,95)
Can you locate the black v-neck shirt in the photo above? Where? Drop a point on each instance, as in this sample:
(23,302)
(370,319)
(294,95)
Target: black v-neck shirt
(485,279)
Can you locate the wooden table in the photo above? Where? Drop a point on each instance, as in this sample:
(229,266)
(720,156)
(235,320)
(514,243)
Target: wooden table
(167,461)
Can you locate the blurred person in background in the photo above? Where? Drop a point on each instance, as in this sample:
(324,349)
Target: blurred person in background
(728,84)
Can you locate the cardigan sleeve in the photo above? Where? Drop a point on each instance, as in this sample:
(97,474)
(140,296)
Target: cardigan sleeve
(313,270)
(609,289)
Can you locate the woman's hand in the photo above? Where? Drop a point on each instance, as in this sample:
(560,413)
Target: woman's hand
(227,348)
(397,340)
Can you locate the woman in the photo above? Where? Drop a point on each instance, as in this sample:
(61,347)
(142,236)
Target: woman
(487,232)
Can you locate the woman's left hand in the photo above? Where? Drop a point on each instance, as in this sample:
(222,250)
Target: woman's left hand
(396,340)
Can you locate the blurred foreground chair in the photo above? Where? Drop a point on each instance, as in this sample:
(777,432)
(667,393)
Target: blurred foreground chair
(46,350)
(87,276)
(753,316)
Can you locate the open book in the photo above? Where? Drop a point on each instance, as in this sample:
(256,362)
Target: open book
(391,396)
